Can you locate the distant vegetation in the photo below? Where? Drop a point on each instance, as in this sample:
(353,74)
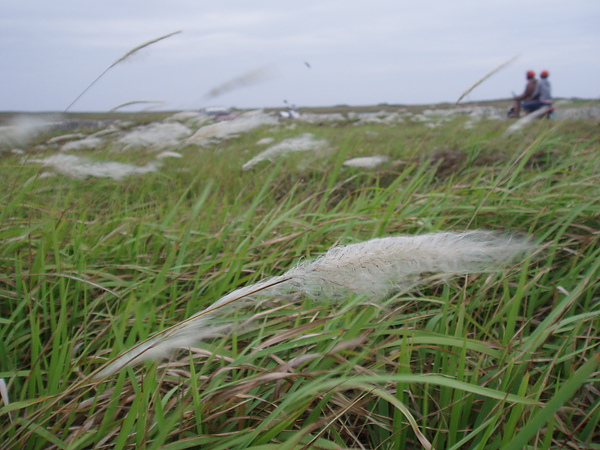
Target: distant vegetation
(507,360)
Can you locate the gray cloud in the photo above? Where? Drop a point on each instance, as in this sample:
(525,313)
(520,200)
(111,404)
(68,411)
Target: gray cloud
(359,52)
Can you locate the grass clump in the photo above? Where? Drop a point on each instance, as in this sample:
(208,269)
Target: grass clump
(496,361)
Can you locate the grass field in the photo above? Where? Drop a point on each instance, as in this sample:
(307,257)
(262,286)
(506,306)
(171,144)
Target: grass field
(507,360)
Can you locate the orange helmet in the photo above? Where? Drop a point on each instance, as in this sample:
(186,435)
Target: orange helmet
(530,74)
(544,73)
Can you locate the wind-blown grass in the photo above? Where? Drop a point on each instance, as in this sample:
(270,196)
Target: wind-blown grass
(499,360)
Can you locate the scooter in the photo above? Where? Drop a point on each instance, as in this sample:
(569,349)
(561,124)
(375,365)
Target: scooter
(547,113)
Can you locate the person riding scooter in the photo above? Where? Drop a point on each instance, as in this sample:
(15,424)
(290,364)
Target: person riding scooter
(542,95)
(527,95)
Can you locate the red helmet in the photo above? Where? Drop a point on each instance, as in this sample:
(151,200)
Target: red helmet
(544,73)
(530,74)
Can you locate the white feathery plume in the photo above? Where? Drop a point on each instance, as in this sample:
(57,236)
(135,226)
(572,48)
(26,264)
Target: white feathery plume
(526,120)
(374,269)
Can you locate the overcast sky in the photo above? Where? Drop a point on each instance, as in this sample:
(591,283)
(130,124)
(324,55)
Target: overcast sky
(308,52)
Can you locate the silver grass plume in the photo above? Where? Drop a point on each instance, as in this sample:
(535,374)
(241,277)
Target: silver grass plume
(126,56)
(374,269)
(156,103)
(246,79)
(485,77)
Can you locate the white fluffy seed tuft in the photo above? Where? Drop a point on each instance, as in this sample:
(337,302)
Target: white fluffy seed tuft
(374,269)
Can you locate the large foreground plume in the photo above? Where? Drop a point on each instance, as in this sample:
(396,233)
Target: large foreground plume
(374,269)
